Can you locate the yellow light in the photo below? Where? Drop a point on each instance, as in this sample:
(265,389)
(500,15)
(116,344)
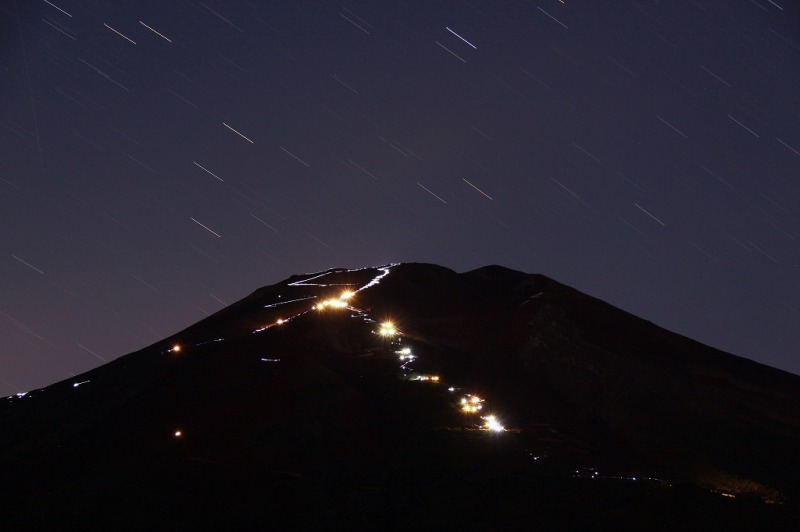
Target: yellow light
(387,328)
(347,294)
(334,303)
(178,433)
(471,404)
(280,321)
(176,348)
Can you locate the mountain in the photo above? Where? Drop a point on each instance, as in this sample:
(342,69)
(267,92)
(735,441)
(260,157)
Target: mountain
(410,395)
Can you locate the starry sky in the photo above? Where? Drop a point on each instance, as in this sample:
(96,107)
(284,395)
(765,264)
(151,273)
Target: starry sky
(159,160)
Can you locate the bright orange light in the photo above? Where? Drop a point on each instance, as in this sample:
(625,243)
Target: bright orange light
(178,434)
(176,348)
(280,321)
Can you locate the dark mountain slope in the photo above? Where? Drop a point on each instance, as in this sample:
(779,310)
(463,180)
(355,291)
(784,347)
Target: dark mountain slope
(272,411)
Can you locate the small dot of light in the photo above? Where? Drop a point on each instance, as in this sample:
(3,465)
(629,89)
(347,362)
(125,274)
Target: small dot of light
(178,433)
(176,348)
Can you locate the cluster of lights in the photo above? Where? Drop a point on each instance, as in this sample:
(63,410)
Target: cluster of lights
(330,303)
(335,302)
(387,329)
(429,378)
(405,354)
(471,404)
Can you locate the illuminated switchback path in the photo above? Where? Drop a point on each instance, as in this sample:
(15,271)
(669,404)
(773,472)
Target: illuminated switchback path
(469,404)
(339,302)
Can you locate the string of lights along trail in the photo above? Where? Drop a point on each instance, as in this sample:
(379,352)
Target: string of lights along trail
(470,405)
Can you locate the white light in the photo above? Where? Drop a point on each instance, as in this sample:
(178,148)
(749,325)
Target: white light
(491,423)
(405,354)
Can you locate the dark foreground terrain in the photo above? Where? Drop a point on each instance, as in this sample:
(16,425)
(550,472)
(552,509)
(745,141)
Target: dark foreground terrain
(299,406)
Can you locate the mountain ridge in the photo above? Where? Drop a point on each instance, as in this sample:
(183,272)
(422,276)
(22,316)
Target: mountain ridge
(294,387)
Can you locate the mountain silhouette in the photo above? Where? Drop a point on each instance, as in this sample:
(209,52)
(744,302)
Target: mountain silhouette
(404,396)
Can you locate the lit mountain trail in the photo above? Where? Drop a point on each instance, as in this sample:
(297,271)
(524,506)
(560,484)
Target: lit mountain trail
(384,397)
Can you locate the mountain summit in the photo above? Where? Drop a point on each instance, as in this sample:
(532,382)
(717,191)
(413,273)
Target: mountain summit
(410,394)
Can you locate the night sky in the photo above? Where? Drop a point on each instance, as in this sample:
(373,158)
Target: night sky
(160,160)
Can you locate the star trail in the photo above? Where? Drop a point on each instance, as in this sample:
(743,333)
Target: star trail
(159,159)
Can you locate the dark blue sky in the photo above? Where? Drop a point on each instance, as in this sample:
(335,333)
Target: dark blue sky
(162,159)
